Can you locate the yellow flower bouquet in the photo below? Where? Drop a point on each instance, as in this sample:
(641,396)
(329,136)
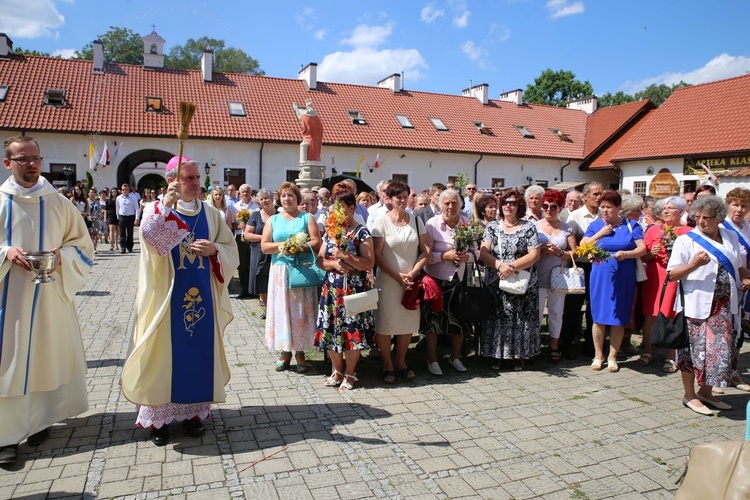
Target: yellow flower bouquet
(592,252)
(243,215)
(295,243)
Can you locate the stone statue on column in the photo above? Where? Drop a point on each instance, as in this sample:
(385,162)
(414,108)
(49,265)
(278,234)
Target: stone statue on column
(310,166)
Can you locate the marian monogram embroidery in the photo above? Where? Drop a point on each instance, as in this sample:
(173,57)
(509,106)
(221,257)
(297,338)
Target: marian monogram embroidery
(193,312)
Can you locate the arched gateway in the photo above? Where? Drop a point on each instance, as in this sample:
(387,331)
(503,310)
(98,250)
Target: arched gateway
(137,158)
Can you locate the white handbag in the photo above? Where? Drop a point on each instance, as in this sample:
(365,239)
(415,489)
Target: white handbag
(517,283)
(640,267)
(357,303)
(568,279)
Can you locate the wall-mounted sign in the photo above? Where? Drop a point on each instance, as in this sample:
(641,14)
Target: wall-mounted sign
(664,184)
(717,164)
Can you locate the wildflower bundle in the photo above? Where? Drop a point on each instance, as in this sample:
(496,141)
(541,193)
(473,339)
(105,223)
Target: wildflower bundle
(592,252)
(336,224)
(465,234)
(295,243)
(243,215)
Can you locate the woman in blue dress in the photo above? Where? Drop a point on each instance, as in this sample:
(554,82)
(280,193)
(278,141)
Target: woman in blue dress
(347,265)
(612,280)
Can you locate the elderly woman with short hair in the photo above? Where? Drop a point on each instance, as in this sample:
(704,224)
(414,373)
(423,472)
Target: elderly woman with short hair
(533,196)
(486,209)
(659,239)
(710,262)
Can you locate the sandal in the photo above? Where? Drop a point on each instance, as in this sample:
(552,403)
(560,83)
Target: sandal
(669,366)
(389,377)
(283,362)
(597,364)
(612,365)
(645,359)
(407,373)
(518,367)
(333,380)
(302,366)
(496,365)
(554,356)
(346,385)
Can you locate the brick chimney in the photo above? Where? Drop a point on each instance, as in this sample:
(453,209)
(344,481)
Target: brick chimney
(207,65)
(481,92)
(98,56)
(392,82)
(6,46)
(514,96)
(310,75)
(588,104)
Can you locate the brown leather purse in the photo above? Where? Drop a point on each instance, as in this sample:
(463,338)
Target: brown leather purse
(717,471)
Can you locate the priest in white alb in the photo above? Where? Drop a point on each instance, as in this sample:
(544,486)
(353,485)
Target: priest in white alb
(42,361)
(177,366)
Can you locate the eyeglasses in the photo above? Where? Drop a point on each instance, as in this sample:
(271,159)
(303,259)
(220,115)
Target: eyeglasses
(704,217)
(510,203)
(26,160)
(471,189)
(546,206)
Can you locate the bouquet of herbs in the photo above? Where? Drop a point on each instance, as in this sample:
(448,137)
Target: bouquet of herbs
(668,235)
(464,234)
(295,243)
(592,252)
(243,215)
(336,225)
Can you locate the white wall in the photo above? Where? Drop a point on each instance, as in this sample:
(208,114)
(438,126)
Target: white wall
(423,168)
(633,171)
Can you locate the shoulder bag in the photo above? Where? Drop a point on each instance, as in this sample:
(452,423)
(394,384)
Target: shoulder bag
(473,300)
(570,280)
(304,271)
(670,332)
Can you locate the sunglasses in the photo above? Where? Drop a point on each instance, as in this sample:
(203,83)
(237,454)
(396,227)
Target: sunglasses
(510,203)
(546,206)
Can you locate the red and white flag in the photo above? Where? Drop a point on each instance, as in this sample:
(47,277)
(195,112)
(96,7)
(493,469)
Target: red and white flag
(104,161)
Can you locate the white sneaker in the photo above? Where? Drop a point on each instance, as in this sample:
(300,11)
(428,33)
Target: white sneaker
(457,365)
(434,368)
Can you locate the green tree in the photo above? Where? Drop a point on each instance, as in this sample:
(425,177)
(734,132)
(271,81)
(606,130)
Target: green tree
(226,59)
(615,99)
(556,88)
(27,52)
(659,93)
(121,45)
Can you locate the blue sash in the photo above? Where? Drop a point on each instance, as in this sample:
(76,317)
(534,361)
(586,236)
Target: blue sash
(744,243)
(720,256)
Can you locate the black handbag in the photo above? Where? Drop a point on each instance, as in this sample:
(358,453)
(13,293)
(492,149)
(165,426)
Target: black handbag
(670,333)
(473,303)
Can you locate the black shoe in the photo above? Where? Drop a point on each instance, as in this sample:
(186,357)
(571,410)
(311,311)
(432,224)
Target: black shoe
(160,436)
(194,428)
(263,315)
(569,353)
(130,250)
(8,454)
(122,251)
(38,438)
(244,295)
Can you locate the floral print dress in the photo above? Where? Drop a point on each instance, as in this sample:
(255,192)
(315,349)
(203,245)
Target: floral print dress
(335,330)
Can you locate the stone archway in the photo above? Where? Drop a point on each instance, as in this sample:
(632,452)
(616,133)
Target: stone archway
(131,162)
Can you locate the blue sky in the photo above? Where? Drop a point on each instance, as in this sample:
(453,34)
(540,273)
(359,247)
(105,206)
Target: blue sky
(440,45)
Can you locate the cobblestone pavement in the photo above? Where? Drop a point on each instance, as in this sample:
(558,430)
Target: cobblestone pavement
(567,432)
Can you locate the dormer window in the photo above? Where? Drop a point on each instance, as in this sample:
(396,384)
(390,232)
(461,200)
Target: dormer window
(524,131)
(54,97)
(483,129)
(560,134)
(439,125)
(356,117)
(404,121)
(153,104)
(236,108)
(3,92)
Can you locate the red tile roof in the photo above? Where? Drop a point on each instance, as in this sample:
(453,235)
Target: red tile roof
(701,119)
(113,103)
(606,122)
(602,158)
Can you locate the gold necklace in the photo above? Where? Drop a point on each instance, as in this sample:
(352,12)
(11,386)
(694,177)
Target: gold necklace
(505,223)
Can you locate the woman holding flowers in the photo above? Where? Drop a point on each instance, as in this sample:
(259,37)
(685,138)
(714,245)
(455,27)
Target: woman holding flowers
(511,245)
(346,255)
(659,239)
(289,322)
(452,240)
(612,275)
(401,251)
(253,233)
(557,241)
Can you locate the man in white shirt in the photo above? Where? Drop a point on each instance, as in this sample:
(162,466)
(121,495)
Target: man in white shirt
(579,221)
(381,195)
(471,190)
(128,215)
(381,207)
(231,196)
(573,201)
(246,202)
(411,204)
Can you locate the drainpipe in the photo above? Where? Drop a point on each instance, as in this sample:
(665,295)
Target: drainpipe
(260,165)
(481,155)
(563,168)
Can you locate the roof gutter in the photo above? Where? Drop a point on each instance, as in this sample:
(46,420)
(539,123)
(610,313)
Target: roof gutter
(476,166)
(563,168)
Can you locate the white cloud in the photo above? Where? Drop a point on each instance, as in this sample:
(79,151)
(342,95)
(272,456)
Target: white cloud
(64,53)
(499,33)
(319,34)
(476,53)
(430,13)
(461,13)
(562,8)
(718,68)
(364,35)
(37,18)
(367,66)
(305,19)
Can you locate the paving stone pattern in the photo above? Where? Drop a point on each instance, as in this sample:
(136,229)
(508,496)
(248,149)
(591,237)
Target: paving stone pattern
(565,432)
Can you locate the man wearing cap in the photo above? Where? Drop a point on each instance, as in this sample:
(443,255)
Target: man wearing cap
(42,361)
(177,366)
